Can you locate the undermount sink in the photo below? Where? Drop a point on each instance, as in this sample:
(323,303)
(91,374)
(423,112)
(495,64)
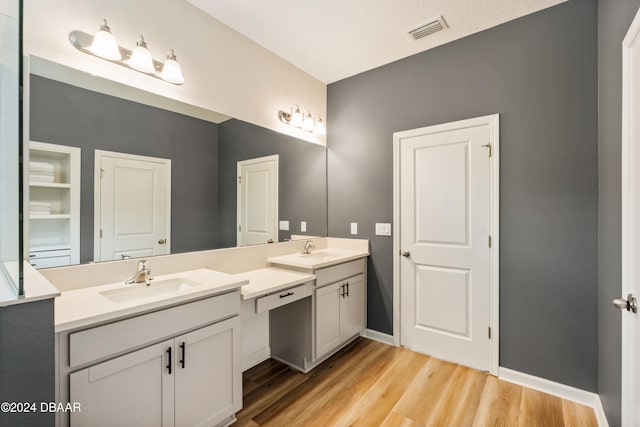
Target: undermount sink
(141,290)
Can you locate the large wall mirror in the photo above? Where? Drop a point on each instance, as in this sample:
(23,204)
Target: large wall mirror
(109,178)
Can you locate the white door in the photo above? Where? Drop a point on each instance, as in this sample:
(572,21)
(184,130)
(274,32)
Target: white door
(445,213)
(132,390)
(133,206)
(258,201)
(631,226)
(206,381)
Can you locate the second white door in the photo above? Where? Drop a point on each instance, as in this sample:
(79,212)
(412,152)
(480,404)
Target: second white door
(258,201)
(445,242)
(133,206)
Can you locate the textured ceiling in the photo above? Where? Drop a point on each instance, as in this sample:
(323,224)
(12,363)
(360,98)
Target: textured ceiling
(335,39)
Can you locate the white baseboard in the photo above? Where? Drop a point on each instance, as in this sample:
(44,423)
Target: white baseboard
(254,358)
(378,336)
(561,390)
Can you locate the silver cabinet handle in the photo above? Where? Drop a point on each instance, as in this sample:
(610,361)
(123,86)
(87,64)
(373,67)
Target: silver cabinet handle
(162,241)
(405,254)
(629,304)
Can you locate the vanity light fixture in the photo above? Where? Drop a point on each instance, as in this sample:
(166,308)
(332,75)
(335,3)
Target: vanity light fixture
(304,121)
(104,45)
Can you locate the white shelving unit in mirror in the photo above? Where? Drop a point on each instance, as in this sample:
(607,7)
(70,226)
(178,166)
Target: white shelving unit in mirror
(53,204)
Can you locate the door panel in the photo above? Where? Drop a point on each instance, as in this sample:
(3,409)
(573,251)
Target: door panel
(205,381)
(445,223)
(442,300)
(353,308)
(328,318)
(441,211)
(130,390)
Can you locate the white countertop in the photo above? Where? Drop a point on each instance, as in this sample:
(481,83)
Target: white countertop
(86,306)
(318,258)
(268,280)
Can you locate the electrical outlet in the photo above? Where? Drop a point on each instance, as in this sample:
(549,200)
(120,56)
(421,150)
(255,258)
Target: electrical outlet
(354,228)
(303,226)
(284,225)
(383,229)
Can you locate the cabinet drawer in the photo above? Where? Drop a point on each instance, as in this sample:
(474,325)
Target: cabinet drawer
(57,261)
(328,275)
(115,338)
(283,297)
(49,254)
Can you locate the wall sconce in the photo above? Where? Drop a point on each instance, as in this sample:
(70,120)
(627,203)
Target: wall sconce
(105,46)
(301,120)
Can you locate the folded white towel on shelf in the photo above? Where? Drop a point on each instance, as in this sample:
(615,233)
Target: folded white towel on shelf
(40,167)
(40,211)
(41,178)
(35,204)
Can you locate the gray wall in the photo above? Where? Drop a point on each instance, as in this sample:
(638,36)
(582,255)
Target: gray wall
(27,360)
(302,177)
(540,73)
(614,18)
(68,115)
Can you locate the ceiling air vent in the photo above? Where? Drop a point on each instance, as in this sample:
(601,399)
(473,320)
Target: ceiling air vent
(423,30)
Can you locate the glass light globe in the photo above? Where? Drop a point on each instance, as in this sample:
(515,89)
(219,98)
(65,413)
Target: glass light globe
(319,127)
(104,44)
(171,70)
(308,124)
(141,59)
(296,118)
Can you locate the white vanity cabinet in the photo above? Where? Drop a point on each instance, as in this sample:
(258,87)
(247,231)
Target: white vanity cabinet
(340,306)
(179,366)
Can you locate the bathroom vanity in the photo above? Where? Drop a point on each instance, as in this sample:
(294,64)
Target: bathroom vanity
(172,353)
(135,355)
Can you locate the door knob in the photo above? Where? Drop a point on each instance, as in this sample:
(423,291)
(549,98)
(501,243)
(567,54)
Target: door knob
(405,254)
(162,241)
(629,304)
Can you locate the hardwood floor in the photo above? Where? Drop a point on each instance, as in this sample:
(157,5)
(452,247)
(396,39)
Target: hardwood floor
(372,384)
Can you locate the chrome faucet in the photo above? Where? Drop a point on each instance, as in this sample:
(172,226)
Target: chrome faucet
(142,275)
(307,248)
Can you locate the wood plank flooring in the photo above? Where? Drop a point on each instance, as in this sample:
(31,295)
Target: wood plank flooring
(372,384)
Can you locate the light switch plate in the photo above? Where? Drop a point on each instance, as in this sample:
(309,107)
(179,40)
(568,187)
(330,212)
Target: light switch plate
(354,228)
(303,226)
(284,225)
(383,229)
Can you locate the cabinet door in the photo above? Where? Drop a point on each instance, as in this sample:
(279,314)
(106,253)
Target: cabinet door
(328,318)
(353,310)
(208,374)
(131,390)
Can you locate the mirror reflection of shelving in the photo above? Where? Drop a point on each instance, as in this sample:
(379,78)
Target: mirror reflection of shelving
(53,206)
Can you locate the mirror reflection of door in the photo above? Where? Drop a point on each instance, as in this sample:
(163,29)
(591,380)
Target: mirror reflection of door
(132,206)
(258,201)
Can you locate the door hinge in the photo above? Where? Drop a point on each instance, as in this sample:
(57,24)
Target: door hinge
(489,241)
(101,173)
(239,180)
(489,332)
(240,227)
(101,233)
(489,147)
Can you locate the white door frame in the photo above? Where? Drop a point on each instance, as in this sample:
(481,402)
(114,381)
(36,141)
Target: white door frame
(97,193)
(493,121)
(630,111)
(273,158)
